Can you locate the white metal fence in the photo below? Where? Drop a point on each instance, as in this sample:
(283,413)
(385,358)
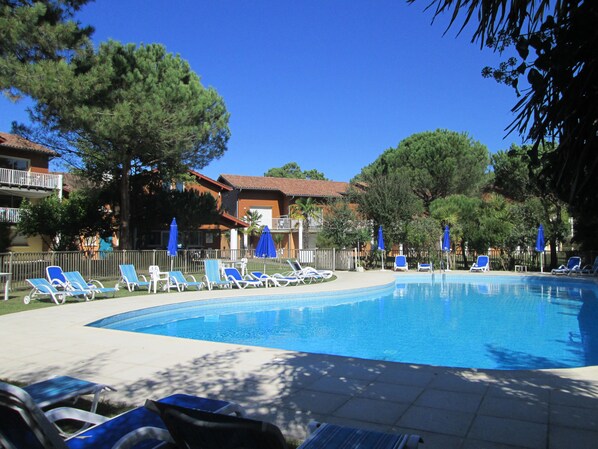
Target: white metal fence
(104,265)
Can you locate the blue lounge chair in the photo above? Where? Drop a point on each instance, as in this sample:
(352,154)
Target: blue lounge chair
(42,288)
(587,269)
(401,264)
(212,277)
(233,275)
(573,264)
(197,429)
(65,388)
(178,279)
(23,425)
(76,281)
(277,279)
(130,279)
(425,267)
(482,264)
(56,276)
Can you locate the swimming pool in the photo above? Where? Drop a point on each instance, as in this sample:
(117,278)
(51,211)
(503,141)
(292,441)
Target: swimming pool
(495,322)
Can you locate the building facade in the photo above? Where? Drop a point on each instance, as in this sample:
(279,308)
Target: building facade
(24,173)
(273,200)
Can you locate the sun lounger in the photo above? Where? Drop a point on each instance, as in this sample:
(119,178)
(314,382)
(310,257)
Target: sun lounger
(573,264)
(277,279)
(196,429)
(178,279)
(23,425)
(482,264)
(65,388)
(425,267)
(212,277)
(130,279)
(233,275)
(56,276)
(76,281)
(42,288)
(307,274)
(401,264)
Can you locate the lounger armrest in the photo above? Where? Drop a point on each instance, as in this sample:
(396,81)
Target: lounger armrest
(232,409)
(96,283)
(192,277)
(142,276)
(134,437)
(75,414)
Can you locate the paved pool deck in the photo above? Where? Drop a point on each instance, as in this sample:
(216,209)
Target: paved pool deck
(448,407)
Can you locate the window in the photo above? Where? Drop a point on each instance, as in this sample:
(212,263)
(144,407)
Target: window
(14,163)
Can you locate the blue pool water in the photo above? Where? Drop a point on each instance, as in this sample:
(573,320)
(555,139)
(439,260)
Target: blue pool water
(464,321)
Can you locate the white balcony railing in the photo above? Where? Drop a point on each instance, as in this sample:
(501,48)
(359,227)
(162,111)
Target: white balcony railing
(26,179)
(284,223)
(9,215)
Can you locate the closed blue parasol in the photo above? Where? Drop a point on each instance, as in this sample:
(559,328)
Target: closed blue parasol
(381,246)
(173,239)
(540,246)
(265,246)
(446,245)
(446,239)
(380,239)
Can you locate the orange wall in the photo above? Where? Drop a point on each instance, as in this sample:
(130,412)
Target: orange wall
(249,199)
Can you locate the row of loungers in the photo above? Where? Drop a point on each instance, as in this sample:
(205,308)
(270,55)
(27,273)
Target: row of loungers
(28,421)
(61,285)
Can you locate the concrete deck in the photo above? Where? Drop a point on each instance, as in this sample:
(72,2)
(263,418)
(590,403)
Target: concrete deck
(450,408)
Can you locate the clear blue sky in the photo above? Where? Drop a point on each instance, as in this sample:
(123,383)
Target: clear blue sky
(327,84)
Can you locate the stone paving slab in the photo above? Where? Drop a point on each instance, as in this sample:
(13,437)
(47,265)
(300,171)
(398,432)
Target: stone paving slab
(450,408)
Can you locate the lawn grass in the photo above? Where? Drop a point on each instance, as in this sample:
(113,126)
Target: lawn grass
(15,302)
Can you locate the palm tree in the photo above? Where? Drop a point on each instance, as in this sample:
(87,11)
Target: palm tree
(305,209)
(253,218)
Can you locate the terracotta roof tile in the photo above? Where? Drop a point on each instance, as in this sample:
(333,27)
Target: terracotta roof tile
(19,143)
(288,186)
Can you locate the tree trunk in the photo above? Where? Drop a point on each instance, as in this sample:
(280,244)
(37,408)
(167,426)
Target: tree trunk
(465,265)
(554,261)
(125,208)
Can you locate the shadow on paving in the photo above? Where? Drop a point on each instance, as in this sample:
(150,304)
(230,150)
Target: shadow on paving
(295,388)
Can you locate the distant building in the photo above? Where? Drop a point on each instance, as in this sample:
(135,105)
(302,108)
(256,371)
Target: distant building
(24,174)
(273,199)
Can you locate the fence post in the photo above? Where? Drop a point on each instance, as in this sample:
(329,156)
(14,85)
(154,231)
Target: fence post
(8,288)
(154,257)
(333,259)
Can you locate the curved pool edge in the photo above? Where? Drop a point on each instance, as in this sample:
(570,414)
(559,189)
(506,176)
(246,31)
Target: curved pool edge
(271,384)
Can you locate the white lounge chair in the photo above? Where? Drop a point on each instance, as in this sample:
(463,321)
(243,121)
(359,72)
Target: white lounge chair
(307,274)
(277,279)
(482,264)
(401,264)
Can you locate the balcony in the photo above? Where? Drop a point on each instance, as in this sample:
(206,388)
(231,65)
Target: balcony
(284,223)
(9,215)
(20,179)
